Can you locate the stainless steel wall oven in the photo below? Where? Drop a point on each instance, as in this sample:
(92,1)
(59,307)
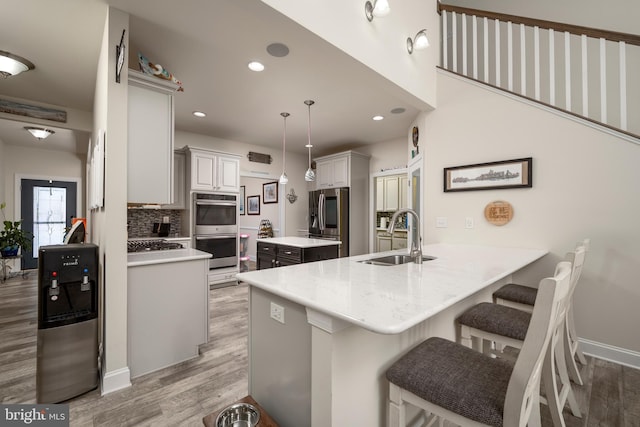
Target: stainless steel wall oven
(216,227)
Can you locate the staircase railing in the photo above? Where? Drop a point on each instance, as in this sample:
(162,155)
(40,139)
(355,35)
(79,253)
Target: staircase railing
(536,59)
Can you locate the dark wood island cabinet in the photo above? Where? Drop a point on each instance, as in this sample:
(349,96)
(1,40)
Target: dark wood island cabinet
(282,251)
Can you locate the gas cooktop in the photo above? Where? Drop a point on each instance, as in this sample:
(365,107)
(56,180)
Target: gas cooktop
(151,245)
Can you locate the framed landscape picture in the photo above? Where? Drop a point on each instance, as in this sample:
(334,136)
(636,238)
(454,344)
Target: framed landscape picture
(241,200)
(270,192)
(514,173)
(253,205)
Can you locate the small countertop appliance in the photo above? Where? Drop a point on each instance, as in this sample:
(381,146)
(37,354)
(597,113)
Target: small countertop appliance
(67,340)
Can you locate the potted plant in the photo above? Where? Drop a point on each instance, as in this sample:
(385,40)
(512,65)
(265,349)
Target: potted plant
(12,237)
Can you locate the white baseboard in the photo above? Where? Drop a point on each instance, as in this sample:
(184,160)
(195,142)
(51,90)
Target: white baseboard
(610,353)
(115,380)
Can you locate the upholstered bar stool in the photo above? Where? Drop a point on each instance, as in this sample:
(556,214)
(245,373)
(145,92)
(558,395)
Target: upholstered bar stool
(523,297)
(508,326)
(453,382)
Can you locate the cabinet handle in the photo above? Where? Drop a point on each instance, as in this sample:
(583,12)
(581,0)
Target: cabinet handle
(287,252)
(277,263)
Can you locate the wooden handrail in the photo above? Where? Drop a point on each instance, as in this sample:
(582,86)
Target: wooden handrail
(556,26)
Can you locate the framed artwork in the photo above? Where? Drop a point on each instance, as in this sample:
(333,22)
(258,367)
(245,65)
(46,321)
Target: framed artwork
(514,173)
(270,192)
(253,205)
(241,200)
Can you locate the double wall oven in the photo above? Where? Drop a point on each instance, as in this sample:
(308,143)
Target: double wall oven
(216,227)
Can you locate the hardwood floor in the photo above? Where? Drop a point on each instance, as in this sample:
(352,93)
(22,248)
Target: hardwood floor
(183,394)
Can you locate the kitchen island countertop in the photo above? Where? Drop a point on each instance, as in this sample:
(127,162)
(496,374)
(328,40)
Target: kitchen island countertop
(135,259)
(392,299)
(300,242)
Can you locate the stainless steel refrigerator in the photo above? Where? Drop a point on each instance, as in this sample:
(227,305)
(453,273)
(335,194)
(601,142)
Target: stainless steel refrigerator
(329,216)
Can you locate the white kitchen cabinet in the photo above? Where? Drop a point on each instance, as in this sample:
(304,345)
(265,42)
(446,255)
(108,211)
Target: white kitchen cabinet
(150,139)
(179,184)
(384,242)
(391,192)
(333,172)
(213,171)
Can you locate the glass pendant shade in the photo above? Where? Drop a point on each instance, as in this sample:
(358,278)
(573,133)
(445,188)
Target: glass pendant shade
(309,174)
(283,178)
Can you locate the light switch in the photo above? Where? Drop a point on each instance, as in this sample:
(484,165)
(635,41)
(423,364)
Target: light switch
(442,222)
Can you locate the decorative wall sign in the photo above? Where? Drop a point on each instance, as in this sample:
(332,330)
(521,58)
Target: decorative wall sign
(32,111)
(514,173)
(270,192)
(498,212)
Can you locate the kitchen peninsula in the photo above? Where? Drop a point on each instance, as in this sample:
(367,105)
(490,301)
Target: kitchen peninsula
(321,335)
(168,307)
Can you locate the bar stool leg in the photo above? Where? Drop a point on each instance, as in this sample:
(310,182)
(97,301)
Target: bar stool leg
(571,347)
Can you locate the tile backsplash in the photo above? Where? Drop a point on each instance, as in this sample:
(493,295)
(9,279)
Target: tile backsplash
(140,221)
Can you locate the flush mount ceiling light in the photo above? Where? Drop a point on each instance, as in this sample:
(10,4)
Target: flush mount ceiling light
(199,114)
(11,65)
(255,66)
(378,118)
(40,133)
(420,41)
(283,178)
(378,8)
(309,174)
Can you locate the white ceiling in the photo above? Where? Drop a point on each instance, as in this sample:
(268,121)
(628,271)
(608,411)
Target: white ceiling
(207,45)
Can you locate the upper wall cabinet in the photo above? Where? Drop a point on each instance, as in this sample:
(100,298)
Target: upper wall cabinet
(339,170)
(150,139)
(213,171)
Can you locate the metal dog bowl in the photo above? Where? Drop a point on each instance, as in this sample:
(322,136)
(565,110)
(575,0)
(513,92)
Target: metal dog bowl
(238,415)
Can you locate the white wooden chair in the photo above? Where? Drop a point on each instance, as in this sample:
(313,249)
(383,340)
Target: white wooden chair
(523,297)
(450,381)
(508,326)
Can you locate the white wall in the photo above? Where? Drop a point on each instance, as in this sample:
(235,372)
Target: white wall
(380,44)
(584,185)
(386,155)
(108,225)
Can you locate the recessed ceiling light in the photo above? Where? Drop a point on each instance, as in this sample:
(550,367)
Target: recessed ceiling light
(398,110)
(255,66)
(378,118)
(199,114)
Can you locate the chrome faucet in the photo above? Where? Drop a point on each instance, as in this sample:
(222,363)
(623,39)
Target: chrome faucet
(416,246)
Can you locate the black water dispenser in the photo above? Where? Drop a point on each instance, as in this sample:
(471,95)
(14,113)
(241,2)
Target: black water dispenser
(67,354)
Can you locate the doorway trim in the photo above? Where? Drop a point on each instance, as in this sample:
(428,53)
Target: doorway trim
(281,196)
(372,201)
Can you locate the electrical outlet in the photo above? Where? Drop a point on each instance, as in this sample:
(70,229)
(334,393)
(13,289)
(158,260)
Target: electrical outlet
(277,312)
(468,222)
(442,222)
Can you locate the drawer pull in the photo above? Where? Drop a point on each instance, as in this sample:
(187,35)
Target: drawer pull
(287,252)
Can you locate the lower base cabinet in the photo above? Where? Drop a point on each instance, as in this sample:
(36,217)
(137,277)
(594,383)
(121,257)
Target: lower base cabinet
(271,255)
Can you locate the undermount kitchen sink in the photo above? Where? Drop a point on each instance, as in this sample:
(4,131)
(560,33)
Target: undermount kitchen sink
(394,260)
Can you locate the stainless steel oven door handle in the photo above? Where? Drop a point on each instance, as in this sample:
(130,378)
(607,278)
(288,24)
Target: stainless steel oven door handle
(216,236)
(214,203)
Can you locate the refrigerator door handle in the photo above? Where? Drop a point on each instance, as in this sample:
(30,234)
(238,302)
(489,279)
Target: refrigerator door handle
(321,211)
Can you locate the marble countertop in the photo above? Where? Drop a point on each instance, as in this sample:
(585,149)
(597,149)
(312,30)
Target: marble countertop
(299,242)
(392,299)
(135,259)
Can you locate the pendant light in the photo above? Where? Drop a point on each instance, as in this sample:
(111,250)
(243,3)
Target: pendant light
(309,175)
(283,177)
